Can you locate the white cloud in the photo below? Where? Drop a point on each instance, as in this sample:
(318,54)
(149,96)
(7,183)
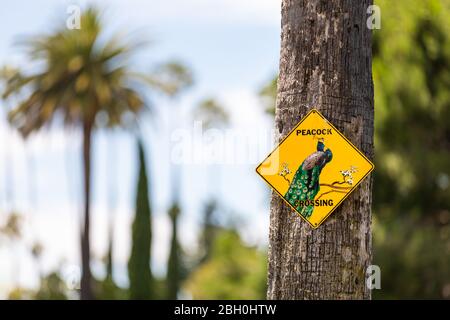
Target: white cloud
(244,107)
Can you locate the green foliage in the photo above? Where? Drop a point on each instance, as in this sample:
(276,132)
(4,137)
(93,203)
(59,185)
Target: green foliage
(12,229)
(211,113)
(268,95)
(414,260)
(209,232)
(411,70)
(52,287)
(21,294)
(109,256)
(171,78)
(174,264)
(82,78)
(139,270)
(108,290)
(234,271)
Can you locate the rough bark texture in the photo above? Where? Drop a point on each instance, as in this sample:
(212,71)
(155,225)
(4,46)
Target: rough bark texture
(325,63)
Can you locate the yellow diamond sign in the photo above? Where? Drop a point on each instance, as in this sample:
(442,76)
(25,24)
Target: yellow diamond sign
(314,168)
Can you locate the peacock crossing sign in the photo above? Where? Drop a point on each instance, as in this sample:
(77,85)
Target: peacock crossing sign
(314,168)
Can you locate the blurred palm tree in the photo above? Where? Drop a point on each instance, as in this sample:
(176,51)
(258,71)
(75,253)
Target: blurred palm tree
(7,72)
(84,78)
(211,113)
(268,95)
(171,78)
(12,231)
(175,262)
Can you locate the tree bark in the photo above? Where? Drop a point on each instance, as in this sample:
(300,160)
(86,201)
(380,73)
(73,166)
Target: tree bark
(325,63)
(86,283)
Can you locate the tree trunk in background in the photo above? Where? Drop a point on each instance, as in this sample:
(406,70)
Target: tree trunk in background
(174,261)
(86,283)
(325,63)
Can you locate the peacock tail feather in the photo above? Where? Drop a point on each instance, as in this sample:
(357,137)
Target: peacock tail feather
(304,186)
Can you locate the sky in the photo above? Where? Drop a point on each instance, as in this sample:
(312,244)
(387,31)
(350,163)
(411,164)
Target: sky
(232,47)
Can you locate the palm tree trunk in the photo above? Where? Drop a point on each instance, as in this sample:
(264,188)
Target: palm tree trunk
(112,200)
(325,63)
(86,283)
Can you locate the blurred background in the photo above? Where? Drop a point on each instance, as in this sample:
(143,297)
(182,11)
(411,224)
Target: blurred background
(166,108)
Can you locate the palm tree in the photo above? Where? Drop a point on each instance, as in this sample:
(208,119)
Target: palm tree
(172,79)
(83,76)
(175,262)
(211,113)
(329,69)
(7,72)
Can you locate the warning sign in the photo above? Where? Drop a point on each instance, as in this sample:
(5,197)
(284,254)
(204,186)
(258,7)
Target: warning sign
(314,168)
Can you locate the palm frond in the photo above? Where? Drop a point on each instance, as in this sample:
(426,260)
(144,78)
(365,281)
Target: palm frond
(82,77)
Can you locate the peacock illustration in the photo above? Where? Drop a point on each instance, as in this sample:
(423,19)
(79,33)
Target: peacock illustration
(305,184)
